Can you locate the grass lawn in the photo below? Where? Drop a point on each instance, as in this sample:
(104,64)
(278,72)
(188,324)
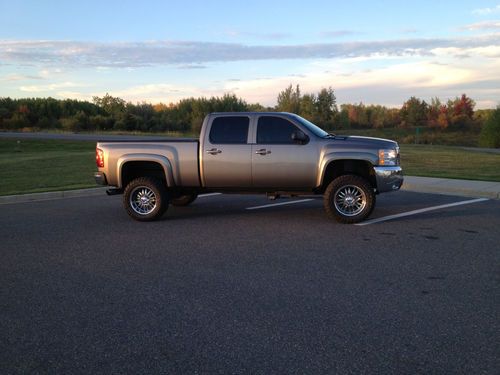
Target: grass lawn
(450,162)
(45,165)
(50,165)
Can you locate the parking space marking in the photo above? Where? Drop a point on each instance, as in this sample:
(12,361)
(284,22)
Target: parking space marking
(278,204)
(208,195)
(422,210)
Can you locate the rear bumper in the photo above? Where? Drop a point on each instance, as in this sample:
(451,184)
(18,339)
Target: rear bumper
(100,178)
(388,178)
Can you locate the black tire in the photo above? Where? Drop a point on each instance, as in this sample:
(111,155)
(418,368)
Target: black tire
(145,199)
(349,199)
(184,200)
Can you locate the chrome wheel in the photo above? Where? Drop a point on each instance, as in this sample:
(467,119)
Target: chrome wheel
(350,200)
(142,200)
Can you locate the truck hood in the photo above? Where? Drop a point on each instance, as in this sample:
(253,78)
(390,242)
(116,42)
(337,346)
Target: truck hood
(363,142)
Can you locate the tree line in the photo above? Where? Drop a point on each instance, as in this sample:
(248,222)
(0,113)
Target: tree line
(322,109)
(113,113)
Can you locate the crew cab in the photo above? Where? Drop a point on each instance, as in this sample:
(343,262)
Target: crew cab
(273,153)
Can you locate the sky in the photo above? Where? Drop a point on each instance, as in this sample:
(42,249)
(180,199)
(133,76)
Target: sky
(374,52)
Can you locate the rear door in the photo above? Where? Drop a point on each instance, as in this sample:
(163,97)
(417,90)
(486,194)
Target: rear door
(226,160)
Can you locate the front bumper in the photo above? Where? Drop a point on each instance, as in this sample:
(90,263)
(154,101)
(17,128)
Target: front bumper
(388,178)
(100,178)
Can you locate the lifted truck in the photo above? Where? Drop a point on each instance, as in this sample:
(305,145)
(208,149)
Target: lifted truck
(255,152)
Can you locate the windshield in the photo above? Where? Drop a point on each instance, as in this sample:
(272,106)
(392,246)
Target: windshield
(311,127)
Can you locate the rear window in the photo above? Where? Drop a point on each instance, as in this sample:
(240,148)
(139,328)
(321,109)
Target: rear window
(274,130)
(229,129)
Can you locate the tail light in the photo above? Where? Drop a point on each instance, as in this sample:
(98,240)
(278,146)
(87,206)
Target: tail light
(99,158)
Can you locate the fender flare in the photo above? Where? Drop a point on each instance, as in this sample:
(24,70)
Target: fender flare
(335,156)
(162,160)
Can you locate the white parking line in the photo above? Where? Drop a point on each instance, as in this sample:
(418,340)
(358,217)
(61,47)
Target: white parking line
(208,195)
(415,212)
(278,204)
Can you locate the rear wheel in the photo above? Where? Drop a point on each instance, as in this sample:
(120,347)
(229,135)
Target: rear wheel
(145,199)
(349,199)
(184,200)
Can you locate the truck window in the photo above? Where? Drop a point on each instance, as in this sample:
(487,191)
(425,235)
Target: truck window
(272,129)
(229,129)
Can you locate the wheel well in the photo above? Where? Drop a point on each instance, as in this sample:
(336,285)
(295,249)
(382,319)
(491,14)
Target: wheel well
(338,168)
(135,169)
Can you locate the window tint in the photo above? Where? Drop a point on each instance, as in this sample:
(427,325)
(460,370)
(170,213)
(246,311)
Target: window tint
(274,130)
(311,127)
(230,129)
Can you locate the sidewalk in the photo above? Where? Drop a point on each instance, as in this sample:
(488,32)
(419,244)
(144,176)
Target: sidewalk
(466,188)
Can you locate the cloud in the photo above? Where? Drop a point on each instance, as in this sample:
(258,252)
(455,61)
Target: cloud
(161,92)
(486,11)
(389,85)
(73,95)
(49,73)
(150,93)
(19,77)
(484,25)
(409,30)
(192,66)
(72,54)
(337,33)
(489,52)
(50,87)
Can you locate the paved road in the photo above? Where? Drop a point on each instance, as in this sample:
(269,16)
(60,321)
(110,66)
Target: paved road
(81,137)
(217,288)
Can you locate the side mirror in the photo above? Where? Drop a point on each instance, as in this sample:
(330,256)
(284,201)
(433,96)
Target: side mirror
(298,136)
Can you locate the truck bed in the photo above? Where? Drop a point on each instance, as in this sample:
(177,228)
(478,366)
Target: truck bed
(181,153)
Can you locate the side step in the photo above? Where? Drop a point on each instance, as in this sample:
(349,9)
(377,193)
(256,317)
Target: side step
(274,196)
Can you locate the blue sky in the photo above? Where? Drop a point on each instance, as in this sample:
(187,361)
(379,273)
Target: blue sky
(372,52)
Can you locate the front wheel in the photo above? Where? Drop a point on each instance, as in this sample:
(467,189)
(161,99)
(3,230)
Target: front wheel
(145,199)
(349,199)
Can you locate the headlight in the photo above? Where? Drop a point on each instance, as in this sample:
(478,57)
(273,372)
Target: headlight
(388,157)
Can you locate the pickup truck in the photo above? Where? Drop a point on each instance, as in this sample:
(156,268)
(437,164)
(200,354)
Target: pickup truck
(273,153)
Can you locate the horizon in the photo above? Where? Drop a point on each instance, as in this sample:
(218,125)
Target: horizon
(162,53)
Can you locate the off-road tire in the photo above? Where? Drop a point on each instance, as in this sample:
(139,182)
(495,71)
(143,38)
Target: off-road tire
(349,199)
(145,199)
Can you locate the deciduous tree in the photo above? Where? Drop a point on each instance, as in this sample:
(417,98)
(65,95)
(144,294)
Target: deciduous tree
(289,100)
(414,113)
(490,133)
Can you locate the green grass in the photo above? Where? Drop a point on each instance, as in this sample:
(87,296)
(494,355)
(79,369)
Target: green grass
(45,165)
(51,165)
(450,162)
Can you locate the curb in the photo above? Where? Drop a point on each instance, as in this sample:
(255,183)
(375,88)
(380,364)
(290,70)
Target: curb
(463,188)
(35,197)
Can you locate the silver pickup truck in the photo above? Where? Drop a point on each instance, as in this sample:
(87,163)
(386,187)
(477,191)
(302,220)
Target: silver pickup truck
(277,154)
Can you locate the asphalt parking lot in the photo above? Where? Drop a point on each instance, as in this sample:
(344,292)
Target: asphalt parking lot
(218,287)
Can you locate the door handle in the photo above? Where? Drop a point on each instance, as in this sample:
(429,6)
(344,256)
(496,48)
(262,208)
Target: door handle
(263,151)
(214,151)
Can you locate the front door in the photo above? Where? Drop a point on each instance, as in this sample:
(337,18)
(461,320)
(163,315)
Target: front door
(277,160)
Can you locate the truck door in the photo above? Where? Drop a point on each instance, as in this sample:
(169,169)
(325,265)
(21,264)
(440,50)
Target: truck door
(279,161)
(226,159)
